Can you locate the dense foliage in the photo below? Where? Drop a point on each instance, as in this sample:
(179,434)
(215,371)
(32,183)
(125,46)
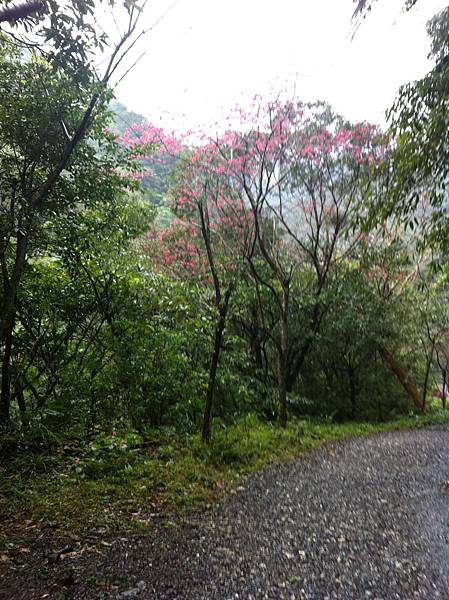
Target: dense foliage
(277,282)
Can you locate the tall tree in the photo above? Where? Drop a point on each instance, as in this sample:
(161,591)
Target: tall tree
(299,180)
(50,101)
(208,242)
(417,169)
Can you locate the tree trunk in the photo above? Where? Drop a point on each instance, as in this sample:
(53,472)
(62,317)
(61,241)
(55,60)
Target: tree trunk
(426,379)
(282,389)
(11,285)
(297,361)
(402,377)
(18,390)
(218,339)
(294,369)
(8,316)
(5,398)
(443,397)
(282,361)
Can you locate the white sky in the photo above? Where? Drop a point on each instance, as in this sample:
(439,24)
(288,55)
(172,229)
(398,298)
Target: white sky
(206,56)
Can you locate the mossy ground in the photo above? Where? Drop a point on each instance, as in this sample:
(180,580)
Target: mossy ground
(118,481)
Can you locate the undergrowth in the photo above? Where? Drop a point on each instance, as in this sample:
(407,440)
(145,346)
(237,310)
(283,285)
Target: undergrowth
(121,479)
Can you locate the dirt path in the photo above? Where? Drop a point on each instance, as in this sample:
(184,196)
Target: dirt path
(368,518)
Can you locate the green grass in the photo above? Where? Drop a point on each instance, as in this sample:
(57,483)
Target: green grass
(117,481)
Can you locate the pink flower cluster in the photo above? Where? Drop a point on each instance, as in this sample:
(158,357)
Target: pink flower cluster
(220,179)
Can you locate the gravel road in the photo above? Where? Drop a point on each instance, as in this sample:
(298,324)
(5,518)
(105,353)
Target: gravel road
(367,518)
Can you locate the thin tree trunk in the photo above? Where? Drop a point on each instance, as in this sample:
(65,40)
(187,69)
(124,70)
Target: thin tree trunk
(299,359)
(207,416)
(282,389)
(402,377)
(8,316)
(218,339)
(297,362)
(282,362)
(443,397)
(18,390)
(11,285)
(426,379)
(5,398)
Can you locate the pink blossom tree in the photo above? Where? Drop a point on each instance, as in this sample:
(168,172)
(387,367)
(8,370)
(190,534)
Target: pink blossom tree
(207,242)
(300,171)
(273,195)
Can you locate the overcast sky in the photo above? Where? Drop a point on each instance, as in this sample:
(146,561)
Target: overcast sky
(205,56)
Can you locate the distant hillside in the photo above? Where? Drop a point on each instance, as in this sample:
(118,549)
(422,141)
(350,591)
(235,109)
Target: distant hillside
(159,167)
(124,118)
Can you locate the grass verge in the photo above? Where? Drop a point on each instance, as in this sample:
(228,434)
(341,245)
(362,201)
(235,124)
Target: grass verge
(117,481)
